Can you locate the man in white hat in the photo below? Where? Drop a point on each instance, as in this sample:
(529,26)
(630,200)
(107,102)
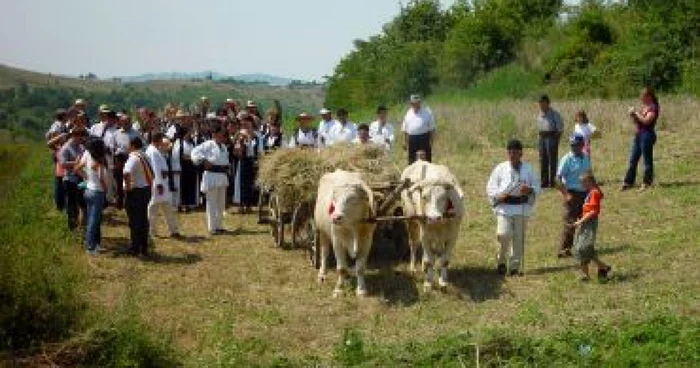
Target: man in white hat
(325,125)
(419,129)
(252,109)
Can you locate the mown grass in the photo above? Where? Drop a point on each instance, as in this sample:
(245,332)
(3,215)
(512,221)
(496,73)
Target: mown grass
(236,300)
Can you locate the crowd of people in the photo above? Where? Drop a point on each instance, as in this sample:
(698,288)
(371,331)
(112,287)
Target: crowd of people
(159,165)
(154,165)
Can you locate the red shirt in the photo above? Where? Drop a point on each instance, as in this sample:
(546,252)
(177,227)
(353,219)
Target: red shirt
(592,203)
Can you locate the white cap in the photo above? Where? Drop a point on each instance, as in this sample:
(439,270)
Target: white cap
(251,103)
(211,115)
(324,111)
(415,98)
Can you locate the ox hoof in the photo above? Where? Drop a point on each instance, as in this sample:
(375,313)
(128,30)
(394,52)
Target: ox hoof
(443,283)
(321,278)
(361,293)
(337,293)
(427,286)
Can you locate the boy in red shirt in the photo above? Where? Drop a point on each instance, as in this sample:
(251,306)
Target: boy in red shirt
(587,227)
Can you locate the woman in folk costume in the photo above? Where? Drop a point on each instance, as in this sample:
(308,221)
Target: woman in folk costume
(185,172)
(213,156)
(273,139)
(304,136)
(247,147)
(273,116)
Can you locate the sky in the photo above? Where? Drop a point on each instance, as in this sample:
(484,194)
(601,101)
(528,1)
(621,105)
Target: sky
(301,39)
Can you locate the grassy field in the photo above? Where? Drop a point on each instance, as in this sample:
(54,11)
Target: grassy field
(237,300)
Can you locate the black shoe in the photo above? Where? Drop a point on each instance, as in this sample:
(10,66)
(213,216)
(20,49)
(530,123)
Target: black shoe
(515,272)
(603,273)
(502,269)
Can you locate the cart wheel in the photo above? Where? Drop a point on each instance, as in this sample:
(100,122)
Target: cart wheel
(264,207)
(276,221)
(303,229)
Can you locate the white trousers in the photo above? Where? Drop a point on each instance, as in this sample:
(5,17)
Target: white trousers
(166,209)
(510,231)
(216,205)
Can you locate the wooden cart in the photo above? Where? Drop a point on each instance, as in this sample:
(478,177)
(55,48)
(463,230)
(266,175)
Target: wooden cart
(272,213)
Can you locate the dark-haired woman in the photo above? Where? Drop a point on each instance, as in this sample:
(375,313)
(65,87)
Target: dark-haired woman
(92,168)
(644,140)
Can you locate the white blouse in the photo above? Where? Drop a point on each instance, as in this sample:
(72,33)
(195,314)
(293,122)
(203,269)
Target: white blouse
(215,154)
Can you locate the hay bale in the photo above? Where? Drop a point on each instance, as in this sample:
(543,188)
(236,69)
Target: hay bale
(294,173)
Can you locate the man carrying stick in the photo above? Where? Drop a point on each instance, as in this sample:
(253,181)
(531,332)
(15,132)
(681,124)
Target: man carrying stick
(511,190)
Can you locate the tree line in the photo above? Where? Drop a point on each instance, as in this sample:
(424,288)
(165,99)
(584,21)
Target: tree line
(596,48)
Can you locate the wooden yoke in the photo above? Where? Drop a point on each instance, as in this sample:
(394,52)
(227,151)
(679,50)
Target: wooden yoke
(392,197)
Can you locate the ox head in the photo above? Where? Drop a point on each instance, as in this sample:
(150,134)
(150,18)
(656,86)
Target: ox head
(351,204)
(438,199)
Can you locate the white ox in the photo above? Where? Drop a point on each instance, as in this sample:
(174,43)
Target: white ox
(343,204)
(436,197)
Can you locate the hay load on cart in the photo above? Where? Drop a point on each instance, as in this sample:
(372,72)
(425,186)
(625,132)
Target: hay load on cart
(289,180)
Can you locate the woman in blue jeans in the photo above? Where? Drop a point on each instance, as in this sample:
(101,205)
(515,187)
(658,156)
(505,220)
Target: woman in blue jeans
(93,170)
(644,140)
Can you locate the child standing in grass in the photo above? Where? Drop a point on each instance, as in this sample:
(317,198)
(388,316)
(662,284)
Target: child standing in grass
(587,227)
(586,129)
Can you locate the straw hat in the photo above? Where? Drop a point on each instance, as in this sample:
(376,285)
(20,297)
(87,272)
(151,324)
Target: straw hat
(304,117)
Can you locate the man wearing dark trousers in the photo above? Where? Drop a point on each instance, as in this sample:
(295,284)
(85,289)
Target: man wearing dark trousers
(419,129)
(138,180)
(572,166)
(550,127)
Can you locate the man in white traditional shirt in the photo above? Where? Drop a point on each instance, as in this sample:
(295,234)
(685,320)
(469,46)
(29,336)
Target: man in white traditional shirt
(160,197)
(512,189)
(381,131)
(419,129)
(343,130)
(325,125)
(215,158)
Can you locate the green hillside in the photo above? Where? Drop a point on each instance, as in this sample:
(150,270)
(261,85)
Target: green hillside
(518,48)
(28,99)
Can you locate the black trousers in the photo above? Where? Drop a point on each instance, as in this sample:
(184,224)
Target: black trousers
(419,142)
(549,157)
(189,178)
(136,204)
(118,176)
(74,203)
(572,211)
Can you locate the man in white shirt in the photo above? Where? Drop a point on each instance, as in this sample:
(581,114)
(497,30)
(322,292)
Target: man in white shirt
(160,197)
(362,135)
(381,131)
(215,158)
(118,144)
(343,130)
(512,189)
(419,129)
(138,179)
(325,125)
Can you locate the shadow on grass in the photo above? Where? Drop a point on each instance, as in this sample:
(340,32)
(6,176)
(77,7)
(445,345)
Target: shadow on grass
(479,284)
(604,250)
(181,259)
(569,266)
(395,288)
(679,184)
(194,239)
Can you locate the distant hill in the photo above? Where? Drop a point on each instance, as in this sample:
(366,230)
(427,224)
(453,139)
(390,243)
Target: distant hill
(28,98)
(209,75)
